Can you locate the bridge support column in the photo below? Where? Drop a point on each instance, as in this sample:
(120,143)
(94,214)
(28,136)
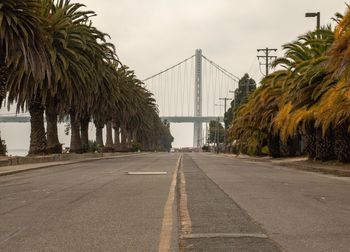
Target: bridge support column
(197,134)
(197,127)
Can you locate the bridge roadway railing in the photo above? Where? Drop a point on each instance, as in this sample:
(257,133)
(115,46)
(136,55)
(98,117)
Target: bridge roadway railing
(19,119)
(172,119)
(14,119)
(191,119)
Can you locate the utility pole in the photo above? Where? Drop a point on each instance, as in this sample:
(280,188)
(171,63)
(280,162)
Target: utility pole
(225,106)
(218,105)
(234,98)
(267,57)
(218,135)
(206,134)
(215,139)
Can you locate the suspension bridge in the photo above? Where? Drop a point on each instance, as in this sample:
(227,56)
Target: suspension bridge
(187,92)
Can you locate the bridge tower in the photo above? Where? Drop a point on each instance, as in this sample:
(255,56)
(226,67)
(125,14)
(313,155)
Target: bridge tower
(197,127)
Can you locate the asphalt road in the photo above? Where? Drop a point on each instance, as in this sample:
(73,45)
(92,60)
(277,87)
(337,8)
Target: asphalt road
(86,206)
(300,211)
(219,204)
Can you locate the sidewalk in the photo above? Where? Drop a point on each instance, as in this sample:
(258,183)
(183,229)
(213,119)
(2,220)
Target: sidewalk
(22,164)
(302,163)
(331,167)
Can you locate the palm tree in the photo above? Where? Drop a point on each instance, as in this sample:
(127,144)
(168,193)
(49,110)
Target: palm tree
(22,39)
(75,81)
(104,102)
(304,76)
(286,103)
(333,113)
(252,126)
(35,95)
(335,103)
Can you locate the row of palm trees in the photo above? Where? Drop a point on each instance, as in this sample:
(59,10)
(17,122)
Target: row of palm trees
(307,97)
(54,62)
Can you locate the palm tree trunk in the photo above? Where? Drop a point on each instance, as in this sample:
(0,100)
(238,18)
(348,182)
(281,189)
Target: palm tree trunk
(109,135)
(153,145)
(53,144)
(3,80)
(310,140)
(3,149)
(288,148)
(116,137)
(116,128)
(129,137)
(75,140)
(134,136)
(324,145)
(99,133)
(342,143)
(84,131)
(38,141)
(123,136)
(273,142)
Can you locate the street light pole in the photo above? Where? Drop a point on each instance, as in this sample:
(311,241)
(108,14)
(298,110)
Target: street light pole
(317,15)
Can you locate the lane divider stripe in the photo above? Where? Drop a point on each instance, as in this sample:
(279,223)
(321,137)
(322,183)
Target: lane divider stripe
(167,224)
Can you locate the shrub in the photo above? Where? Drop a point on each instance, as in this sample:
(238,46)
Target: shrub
(136,147)
(93,146)
(3,147)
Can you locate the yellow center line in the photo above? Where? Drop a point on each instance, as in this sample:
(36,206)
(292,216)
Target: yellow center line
(186,224)
(167,225)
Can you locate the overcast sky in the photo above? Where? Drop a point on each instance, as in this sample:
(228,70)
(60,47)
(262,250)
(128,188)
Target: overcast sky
(151,35)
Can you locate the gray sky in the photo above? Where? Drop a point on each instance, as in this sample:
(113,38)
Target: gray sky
(151,35)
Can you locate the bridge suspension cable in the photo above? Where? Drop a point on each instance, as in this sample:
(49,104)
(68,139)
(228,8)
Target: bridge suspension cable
(170,68)
(194,84)
(223,70)
(174,87)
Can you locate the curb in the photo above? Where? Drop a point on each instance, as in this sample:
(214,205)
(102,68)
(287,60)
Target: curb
(324,170)
(47,165)
(293,165)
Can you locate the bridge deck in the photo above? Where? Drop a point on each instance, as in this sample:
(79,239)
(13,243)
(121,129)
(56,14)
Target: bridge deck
(172,119)
(191,119)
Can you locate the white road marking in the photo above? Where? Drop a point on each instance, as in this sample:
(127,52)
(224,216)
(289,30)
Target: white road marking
(146,173)
(224,235)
